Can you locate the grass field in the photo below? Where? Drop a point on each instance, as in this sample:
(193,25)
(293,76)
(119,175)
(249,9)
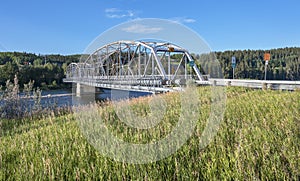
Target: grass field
(259,138)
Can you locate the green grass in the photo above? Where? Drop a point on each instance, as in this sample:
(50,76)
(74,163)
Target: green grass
(259,138)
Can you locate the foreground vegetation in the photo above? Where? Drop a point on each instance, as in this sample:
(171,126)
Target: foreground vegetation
(259,138)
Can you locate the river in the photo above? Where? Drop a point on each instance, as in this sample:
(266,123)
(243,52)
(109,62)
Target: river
(64,97)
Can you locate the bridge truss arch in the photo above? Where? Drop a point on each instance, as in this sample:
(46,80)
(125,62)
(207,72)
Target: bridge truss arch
(142,63)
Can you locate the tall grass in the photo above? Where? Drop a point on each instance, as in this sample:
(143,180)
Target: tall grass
(259,138)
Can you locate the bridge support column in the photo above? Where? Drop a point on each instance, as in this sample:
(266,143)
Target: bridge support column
(78,92)
(84,90)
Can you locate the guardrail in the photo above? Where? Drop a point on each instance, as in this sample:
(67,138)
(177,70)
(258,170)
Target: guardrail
(259,84)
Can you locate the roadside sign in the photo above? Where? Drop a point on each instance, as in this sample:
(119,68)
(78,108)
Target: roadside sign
(233,62)
(171,49)
(267,56)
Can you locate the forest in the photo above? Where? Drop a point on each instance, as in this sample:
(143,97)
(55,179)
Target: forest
(48,71)
(250,64)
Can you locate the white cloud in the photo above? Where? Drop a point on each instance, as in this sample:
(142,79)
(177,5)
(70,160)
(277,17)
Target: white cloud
(142,29)
(111,10)
(183,20)
(118,13)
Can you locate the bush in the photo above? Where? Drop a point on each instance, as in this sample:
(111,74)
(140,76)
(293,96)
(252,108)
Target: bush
(14,106)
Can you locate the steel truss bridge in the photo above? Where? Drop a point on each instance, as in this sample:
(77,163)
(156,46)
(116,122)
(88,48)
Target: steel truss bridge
(136,66)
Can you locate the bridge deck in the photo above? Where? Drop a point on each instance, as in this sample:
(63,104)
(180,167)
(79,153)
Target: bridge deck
(155,85)
(143,85)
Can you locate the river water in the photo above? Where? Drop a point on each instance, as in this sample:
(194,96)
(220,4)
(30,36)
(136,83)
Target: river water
(65,97)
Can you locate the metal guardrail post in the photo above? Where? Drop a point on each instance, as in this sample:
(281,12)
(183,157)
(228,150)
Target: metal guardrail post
(228,83)
(264,86)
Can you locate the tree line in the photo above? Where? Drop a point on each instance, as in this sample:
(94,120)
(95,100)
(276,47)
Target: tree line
(48,71)
(250,64)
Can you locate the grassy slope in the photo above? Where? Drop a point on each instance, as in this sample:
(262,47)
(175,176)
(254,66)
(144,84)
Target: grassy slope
(259,138)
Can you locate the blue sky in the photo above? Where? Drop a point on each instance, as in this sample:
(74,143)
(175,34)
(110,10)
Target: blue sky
(67,27)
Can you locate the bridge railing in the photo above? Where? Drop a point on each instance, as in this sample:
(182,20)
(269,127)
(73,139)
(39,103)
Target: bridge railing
(150,80)
(155,81)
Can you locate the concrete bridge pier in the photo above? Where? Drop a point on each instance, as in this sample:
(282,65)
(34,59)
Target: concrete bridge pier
(78,91)
(84,90)
(83,94)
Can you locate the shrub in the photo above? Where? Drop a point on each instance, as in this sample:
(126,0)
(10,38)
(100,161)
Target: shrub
(15,106)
